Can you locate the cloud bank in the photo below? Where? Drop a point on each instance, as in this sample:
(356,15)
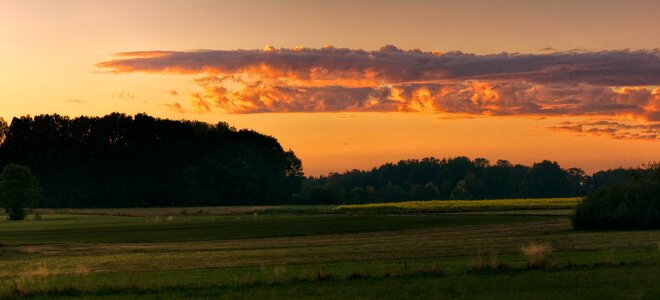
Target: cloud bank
(574,83)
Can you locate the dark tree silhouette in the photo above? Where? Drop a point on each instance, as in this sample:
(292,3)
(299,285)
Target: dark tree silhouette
(633,204)
(123,161)
(19,191)
(454,178)
(546,179)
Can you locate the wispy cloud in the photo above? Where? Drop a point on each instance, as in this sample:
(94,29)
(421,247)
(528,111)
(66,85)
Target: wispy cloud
(611,129)
(124,95)
(606,83)
(175,107)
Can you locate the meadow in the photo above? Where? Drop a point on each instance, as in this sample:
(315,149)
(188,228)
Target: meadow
(496,252)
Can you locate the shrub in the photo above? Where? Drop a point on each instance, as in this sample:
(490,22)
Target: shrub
(634,204)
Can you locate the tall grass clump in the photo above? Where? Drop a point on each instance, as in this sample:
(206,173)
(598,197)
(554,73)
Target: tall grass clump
(30,281)
(634,204)
(536,254)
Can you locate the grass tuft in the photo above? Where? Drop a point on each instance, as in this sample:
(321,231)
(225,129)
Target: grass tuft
(493,263)
(536,254)
(356,274)
(323,275)
(430,271)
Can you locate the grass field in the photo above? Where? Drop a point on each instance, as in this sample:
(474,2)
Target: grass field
(323,252)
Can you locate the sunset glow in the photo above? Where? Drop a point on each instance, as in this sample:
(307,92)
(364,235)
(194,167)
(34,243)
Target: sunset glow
(345,86)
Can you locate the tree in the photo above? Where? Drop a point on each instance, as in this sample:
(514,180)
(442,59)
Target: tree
(470,187)
(19,190)
(546,179)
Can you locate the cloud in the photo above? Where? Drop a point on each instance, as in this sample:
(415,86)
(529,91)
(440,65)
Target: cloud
(611,129)
(75,100)
(199,103)
(463,97)
(124,95)
(393,65)
(175,107)
(173,93)
(606,83)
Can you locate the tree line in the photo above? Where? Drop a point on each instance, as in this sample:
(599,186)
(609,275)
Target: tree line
(140,161)
(455,178)
(127,161)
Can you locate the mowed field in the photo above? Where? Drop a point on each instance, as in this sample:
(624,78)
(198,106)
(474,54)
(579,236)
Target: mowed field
(324,252)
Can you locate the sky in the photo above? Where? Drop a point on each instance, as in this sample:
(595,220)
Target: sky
(353,85)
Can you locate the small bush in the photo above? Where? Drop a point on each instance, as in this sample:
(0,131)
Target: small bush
(536,254)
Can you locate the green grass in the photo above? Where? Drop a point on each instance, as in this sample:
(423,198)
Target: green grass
(442,206)
(113,229)
(316,255)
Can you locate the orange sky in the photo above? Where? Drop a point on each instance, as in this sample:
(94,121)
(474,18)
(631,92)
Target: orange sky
(49,51)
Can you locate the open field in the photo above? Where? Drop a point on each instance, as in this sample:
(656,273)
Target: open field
(318,255)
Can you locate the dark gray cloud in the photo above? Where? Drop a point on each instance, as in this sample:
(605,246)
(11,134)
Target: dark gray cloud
(393,65)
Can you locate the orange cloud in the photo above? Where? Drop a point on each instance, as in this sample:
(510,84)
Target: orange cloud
(606,83)
(199,103)
(234,95)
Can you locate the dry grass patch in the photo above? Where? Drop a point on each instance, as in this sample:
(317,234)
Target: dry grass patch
(536,254)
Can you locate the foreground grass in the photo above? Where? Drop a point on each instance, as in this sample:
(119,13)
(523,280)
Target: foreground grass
(456,255)
(604,282)
(441,206)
